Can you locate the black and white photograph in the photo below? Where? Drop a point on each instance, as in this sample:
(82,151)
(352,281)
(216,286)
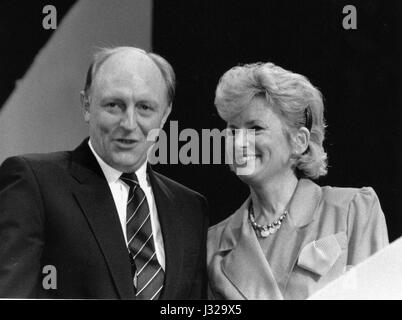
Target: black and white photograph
(214,151)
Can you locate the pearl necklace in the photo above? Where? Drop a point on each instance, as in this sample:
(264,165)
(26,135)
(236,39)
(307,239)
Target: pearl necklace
(264,231)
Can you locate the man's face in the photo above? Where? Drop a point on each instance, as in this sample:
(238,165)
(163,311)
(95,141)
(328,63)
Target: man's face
(128,99)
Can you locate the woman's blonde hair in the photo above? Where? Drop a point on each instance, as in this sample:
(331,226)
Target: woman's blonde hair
(299,103)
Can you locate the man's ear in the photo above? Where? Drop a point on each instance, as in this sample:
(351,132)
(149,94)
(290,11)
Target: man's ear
(301,140)
(85,105)
(166,115)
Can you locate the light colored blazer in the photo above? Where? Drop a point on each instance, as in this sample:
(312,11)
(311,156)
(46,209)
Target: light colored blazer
(326,231)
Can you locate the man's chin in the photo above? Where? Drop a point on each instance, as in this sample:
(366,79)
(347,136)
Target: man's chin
(127,165)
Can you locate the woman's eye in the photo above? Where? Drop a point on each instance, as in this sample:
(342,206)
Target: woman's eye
(256,128)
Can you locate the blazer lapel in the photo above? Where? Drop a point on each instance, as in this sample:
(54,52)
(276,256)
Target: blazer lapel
(171,218)
(96,201)
(245,265)
(295,232)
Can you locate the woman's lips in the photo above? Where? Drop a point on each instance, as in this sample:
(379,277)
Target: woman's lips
(242,158)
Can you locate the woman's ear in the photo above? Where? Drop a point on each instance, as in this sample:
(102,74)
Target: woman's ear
(301,140)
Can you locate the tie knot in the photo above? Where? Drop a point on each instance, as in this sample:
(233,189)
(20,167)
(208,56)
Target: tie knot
(129,178)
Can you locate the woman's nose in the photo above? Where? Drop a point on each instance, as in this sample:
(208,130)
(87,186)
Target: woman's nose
(240,139)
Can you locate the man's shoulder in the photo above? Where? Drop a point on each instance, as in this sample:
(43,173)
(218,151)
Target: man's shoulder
(175,186)
(50,157)
(39,160)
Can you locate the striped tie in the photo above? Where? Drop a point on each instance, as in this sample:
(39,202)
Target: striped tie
(149,275)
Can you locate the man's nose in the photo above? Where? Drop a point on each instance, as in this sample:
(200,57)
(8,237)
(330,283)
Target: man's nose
(129,119)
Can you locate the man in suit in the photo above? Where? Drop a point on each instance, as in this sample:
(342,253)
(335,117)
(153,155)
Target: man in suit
(98,222)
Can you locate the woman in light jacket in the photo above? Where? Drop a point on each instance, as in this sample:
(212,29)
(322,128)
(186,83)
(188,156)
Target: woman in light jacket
(290,237)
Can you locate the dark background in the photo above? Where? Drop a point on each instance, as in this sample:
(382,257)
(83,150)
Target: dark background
(22,36)
(358,72)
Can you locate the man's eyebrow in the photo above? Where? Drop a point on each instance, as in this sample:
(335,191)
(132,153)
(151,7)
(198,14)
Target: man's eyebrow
(116,97)
(150,101)
(111,97)
(114,93)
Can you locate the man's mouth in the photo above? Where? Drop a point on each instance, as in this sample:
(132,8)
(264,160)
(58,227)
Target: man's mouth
(126,142)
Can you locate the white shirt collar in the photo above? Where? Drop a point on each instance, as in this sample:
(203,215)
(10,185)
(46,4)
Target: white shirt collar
(112,175)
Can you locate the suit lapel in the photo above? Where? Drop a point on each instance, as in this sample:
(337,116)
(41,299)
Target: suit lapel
(96,201)
(245,265)
(171,220)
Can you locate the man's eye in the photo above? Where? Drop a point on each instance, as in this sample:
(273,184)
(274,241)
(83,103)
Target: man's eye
(144,106)
(112,105)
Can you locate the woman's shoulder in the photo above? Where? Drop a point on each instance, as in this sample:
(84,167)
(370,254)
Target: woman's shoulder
(233,219)
(361,210)
(355,204)
(215,235)
(227,229)
(345,196)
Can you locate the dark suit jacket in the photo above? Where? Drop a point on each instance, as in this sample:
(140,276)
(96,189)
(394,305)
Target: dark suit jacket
(57,209)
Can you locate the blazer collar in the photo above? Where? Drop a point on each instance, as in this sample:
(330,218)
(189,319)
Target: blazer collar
(301,212)
(95,199)
(246,266)
(304,203)
(171,218)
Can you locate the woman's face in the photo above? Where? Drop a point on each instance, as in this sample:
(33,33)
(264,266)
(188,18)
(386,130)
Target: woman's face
(258,143)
